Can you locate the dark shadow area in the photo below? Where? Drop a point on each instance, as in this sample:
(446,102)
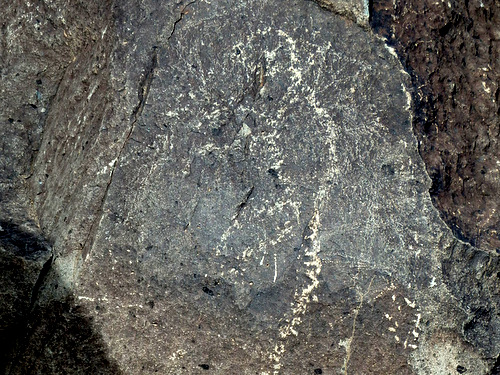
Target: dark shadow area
(55,338)
(59,339)
(20,242)
(496,368)
(23,256)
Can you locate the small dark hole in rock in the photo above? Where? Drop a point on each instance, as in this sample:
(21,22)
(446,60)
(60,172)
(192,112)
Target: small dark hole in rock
(318,371)
(33,106)
(208,291)
(273,172)
(11,120)
(204,366)
(445,29)
(388,169)
(461,369)
(38,81)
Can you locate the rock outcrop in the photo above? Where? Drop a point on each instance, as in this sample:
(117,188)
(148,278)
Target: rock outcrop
(231,187)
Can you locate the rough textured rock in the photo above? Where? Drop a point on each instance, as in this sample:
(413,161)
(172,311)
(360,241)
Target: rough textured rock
(38,41)
(356,10)
(452,50)
(235,187)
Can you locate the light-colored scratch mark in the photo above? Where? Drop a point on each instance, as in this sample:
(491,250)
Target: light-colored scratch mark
(433,283)
(275,268)
(410,303)
(86,298)
(408,97)
(417,322)
(391,50)
(276,357)
(313,270)
(348,343)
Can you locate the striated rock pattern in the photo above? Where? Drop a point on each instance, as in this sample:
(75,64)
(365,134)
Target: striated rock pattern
(228,187)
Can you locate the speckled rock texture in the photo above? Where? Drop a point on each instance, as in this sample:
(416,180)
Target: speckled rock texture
(231,187)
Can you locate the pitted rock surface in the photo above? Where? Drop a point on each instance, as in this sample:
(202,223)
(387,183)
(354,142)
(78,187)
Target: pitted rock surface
(452,50)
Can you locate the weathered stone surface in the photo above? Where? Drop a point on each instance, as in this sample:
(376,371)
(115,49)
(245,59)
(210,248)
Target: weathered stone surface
(235,187)
(452,50)
(38,41)
(356,10)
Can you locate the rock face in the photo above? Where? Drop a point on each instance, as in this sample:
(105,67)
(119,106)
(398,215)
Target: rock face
(452,50)
(356,10)
(38,41)
(235,187)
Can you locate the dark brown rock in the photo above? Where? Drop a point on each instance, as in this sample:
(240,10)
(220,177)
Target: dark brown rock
(452,50)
